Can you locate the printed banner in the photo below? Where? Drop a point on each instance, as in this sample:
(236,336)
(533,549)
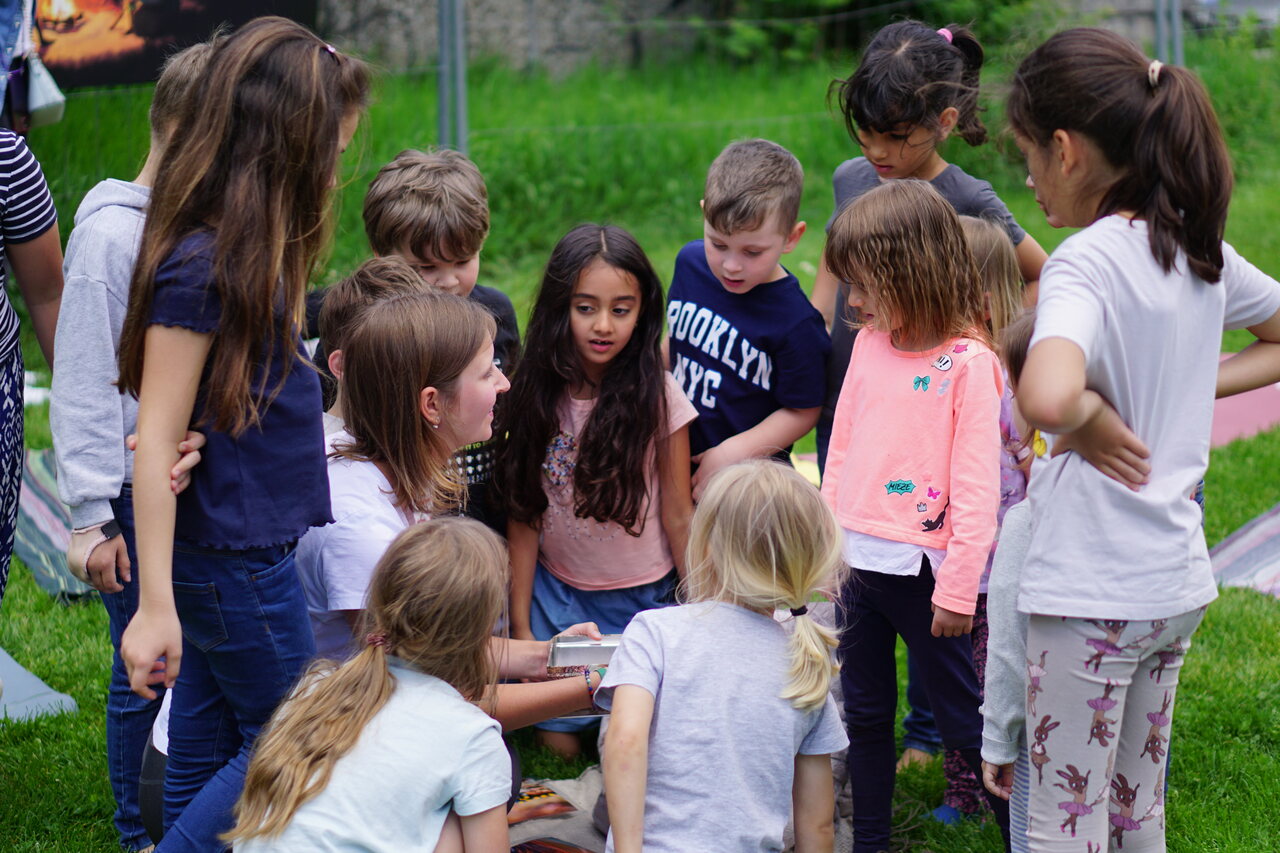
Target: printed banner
(109,42)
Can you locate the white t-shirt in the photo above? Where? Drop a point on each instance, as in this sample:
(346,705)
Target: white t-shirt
(335,562)
(722,744)
(1151,342)
(425,752)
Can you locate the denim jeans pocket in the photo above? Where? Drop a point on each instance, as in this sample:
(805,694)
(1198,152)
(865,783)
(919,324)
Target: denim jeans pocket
(272,570)
(201,614)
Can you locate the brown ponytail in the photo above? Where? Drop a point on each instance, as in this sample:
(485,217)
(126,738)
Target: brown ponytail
(1154,123)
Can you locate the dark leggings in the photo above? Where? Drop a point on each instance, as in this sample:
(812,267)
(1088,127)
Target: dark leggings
(876,609)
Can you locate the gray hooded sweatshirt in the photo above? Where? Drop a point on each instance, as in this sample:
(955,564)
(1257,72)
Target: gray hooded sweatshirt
(88,415)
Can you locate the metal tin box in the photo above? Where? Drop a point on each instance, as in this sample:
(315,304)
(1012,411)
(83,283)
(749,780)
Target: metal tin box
(582,651)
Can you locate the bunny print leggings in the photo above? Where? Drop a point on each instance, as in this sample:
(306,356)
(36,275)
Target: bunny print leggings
(1100,697)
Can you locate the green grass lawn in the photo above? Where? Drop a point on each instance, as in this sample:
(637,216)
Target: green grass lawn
(631,147)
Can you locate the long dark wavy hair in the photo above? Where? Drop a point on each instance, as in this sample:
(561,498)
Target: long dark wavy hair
(626,431)
(1153,123)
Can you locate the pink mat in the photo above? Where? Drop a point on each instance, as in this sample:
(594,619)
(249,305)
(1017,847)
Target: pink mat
(1245,414)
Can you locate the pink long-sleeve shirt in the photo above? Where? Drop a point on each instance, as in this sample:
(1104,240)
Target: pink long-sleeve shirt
(915,454)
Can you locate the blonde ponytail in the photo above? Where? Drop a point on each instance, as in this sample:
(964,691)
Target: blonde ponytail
(433,598)
(763,538)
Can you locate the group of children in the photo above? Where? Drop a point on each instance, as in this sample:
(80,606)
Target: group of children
(338,534)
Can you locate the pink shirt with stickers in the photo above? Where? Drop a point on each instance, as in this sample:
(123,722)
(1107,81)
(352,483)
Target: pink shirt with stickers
(915,454)
(589,554)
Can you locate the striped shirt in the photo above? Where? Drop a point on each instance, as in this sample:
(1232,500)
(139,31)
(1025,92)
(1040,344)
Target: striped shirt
(26,212)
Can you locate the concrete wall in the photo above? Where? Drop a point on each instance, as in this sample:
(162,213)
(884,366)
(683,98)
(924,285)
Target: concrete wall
(557,34)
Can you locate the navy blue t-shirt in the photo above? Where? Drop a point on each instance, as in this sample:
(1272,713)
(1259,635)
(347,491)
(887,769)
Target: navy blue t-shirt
(739,357)
(269,484)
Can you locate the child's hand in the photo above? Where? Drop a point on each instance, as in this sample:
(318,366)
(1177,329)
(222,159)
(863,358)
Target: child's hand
(189,450)
(709,462)
(582,629)
(152,650)
(948,623)
(1106,442)
(107,566)
(998,778)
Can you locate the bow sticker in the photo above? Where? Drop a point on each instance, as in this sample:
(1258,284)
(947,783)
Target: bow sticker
(921,384)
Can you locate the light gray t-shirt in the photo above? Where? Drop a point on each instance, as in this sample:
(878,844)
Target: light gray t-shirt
(722,744)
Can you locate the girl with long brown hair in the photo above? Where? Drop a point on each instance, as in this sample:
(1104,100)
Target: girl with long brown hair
(238,217)
(386,745)
(1123,364)
(595,469)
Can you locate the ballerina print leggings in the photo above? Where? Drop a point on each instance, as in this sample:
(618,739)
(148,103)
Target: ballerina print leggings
(1100,697)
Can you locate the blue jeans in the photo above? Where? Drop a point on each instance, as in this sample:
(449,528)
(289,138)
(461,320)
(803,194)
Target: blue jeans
(246,639)
(129,716)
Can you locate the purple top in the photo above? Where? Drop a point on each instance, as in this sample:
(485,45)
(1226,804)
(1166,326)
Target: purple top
(1013,480)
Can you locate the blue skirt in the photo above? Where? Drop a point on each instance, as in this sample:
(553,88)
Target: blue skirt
(557,605)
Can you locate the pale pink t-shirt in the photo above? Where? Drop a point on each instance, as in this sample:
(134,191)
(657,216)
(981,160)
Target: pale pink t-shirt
(586,553)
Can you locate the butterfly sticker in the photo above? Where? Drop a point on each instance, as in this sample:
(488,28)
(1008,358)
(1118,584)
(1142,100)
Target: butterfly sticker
(933,493)
(942,362)
(921,383)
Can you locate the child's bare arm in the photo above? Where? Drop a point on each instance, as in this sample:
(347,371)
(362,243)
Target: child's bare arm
(1053,397)
(522,544)
(515,706)
(486,832)
(152,644)
(626,765)
(676,493)
(1256,365)
(528,658)
(813,804)
(823,296)
(1031,258)
(781,429)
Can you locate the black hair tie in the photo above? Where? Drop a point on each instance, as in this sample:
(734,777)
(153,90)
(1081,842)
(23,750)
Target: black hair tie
(800,611)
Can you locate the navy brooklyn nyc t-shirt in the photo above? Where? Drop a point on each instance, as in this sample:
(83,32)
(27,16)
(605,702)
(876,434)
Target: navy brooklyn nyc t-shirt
(739,357)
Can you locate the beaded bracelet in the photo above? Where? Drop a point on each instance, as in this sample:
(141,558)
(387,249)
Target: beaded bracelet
(586,675)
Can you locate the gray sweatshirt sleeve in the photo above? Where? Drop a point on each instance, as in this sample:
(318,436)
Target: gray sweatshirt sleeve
(87,414)
(1004,705)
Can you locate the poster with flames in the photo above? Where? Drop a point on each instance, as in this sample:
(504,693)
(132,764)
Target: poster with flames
(107,42)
